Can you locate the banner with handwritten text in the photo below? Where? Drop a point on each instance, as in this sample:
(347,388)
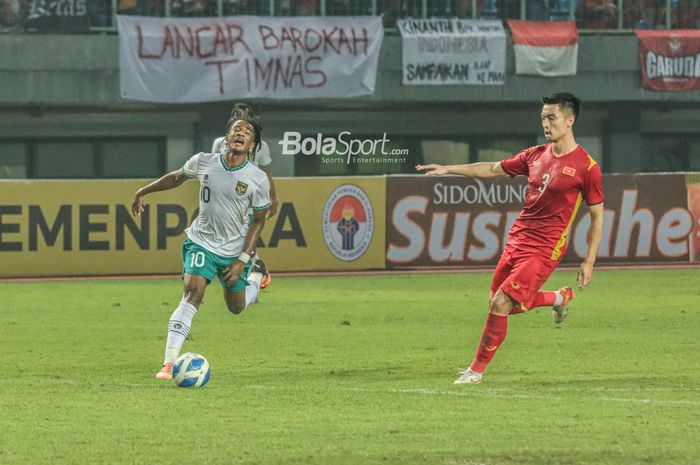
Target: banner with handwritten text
(453,51)
(181,60)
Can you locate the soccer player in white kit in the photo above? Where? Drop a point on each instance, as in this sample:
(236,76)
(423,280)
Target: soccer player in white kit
(262,159)
(221,240)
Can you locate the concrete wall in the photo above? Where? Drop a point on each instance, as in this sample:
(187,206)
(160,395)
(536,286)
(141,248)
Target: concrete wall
(85,69)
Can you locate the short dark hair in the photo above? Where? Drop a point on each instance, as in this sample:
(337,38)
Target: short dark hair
(257,128)
(564,100)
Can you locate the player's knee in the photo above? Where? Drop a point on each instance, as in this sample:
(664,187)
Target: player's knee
(193,295)
(501,304)
(236,307)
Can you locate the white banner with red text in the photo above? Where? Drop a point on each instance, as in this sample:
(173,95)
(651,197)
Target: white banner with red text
(178,60)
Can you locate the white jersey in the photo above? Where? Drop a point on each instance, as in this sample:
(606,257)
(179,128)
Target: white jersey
(262,156)
(225,195)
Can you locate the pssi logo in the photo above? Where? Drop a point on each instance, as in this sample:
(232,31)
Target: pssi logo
(348,222)
(241,187)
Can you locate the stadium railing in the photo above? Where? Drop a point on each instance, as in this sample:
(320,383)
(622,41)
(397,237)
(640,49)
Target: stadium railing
(609,15)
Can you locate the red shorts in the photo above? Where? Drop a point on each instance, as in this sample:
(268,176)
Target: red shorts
(521,274)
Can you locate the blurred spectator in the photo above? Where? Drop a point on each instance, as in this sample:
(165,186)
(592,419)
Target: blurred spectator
(13,14)
(537,10)
(295,8)
(562,10)
(685,14)
(434,8)
(598,14)
(442,8)
(284,8)
(100,13)
(509,9)
(498,9)
(306,7)
(141,7)
(438,8)
(486,9)
(411,9)
(644,14)
(127,6)
(390,10)
(195,7)
(229,7)
(549,10)
(463,8)
(338,7)
(349,7)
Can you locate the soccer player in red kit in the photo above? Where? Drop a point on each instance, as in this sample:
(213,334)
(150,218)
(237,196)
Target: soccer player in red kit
(560,175)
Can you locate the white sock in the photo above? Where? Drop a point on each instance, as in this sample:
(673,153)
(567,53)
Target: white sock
(252,290)
(178,329)
(559,300)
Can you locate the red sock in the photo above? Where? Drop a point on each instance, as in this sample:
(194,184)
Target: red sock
(492,337)
(542,299)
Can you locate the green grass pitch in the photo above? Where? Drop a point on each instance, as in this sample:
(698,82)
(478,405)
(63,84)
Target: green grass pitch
(353,371)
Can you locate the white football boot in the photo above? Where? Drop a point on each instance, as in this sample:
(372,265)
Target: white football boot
(469,377)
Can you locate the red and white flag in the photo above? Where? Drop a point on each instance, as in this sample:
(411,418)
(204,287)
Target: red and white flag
(545,48)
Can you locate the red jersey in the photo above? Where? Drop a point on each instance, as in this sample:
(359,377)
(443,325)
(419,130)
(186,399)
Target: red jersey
(556,187)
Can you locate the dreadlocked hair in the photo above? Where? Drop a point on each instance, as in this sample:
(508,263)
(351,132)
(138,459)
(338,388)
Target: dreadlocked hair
(257,133)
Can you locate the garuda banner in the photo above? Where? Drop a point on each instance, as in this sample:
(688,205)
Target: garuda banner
(670,60)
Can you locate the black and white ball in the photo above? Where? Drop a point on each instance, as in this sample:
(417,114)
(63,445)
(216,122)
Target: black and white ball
(191,370)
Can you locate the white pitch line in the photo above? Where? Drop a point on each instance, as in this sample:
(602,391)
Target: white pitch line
(607,389)
(466,392)
(650,401)
(493,393)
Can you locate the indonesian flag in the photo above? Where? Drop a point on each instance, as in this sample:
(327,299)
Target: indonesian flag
(545,48)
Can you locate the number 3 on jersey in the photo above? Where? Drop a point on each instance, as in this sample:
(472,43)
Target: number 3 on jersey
(545,181)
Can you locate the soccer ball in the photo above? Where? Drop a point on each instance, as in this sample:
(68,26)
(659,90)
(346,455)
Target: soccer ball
(191,370)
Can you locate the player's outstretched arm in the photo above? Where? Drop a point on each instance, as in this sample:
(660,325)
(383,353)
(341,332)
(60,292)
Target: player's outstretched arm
(595,235)
(473,170)
(169,181)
